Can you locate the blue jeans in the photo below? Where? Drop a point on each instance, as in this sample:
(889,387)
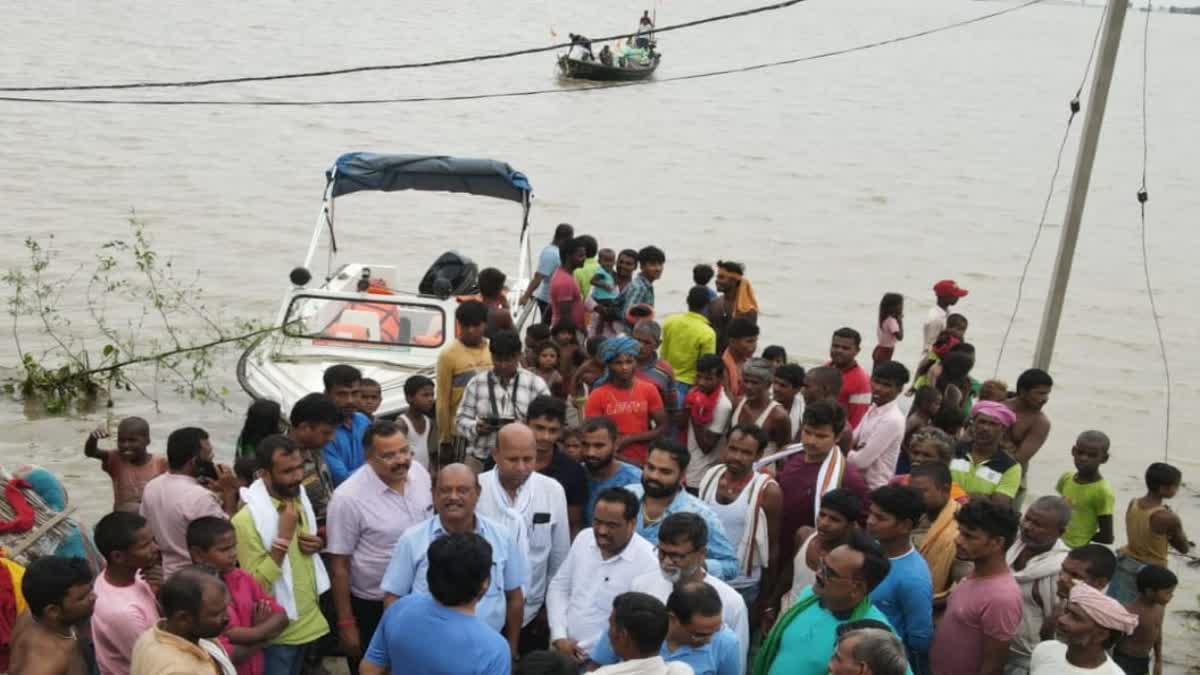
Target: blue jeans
(284,659)
(681,391)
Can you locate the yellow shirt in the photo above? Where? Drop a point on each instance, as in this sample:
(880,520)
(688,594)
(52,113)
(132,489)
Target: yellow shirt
(457,364)
(157,652)
(685,338)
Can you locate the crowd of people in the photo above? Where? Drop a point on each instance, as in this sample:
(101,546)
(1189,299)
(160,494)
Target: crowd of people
(617,493)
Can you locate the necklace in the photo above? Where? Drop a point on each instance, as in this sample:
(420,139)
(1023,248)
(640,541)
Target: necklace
(69,635)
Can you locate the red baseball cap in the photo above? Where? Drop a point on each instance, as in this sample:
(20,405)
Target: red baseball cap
(950,288)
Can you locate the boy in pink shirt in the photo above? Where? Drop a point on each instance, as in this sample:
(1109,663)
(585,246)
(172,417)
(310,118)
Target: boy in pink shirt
(254,617)
(125,603)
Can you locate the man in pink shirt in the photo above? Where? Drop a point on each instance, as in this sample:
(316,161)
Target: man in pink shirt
(125,604)
(566,301)
(176,498)
(876,445)
(984,611)
(855,397)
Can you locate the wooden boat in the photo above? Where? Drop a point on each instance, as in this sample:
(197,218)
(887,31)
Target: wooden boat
(633,62)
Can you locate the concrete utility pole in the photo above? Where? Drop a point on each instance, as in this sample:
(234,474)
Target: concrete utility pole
(1110,40)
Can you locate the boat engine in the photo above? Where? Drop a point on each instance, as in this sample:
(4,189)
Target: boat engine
(451,274)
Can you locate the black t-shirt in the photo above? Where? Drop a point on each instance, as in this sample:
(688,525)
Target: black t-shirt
(570,475)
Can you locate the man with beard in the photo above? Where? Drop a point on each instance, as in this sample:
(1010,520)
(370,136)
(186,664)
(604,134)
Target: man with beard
(735,300)
(804,638)
(195,608)
(547,416)
(598,437)
(1091,624)
(277,531)
(367,515)
(661,494)
(178,497)
(1036,560)
(314,420)
(855,396)
(344,453)
(534,508)
(682,544)
(1031,428)
(601,565)
(455,497)
(60,597)
(980,465)
(984,611)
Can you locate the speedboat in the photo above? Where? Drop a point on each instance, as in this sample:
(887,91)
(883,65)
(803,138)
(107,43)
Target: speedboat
(356,315)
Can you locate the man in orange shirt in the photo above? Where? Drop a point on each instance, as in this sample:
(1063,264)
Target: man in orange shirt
(632,403)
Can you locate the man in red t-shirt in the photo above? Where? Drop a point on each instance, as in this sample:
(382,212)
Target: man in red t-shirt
(855,397)
(633,404)
(566,301)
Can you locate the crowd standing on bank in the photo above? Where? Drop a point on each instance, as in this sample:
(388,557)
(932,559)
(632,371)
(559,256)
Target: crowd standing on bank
(633,486)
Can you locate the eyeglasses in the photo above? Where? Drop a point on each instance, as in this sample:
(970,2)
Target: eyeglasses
(678,558)
(828,573)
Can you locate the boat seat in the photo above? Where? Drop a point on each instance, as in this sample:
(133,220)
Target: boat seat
(367,320)
(345,331)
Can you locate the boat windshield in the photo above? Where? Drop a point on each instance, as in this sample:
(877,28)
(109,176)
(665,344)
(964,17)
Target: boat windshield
(375,320)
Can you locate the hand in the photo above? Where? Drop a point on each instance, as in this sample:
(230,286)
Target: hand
(311,544)
(227,480)
(99,433)
(289,517)
(154,577)
(569,647)
(483,428)
(262,612)
(769,616)
(350,641)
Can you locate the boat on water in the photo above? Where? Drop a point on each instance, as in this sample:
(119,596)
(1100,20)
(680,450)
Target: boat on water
(635,59)
(357,314)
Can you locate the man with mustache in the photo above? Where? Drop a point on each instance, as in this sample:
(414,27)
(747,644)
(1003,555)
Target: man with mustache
(276,531)
(344,453)
(367,515)
(661,494)
(195,609)
(455,496)
(178,497)
(980,465)
(534,508)
(1036,560)
(598,437)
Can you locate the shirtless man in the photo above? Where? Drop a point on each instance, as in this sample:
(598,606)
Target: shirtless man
(1027,435)
(757,408)
(59,594)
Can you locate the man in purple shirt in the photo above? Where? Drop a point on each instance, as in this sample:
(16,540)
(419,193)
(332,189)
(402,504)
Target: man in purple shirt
(368,513)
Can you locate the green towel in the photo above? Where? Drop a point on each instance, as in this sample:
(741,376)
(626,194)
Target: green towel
(770,647)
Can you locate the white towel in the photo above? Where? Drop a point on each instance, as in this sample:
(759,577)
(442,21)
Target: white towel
(217,653)
(495,506)
(266,521)
(755,536)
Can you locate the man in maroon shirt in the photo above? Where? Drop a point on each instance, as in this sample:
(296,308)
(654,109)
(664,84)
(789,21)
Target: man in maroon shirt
(820,427)
(566,302)
(855,397)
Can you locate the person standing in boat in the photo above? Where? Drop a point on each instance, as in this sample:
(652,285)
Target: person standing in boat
(644,31)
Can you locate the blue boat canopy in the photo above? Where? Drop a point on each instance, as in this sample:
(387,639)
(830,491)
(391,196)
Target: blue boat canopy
(355,171)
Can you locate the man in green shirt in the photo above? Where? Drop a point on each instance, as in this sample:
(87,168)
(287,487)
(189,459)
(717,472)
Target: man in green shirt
(685,338)
(276,529)
(802,641)
(980,466)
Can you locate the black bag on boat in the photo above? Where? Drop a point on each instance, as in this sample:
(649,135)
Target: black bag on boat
(457,274)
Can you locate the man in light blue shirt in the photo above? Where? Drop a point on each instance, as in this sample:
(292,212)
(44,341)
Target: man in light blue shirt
(697,635)
(548,260)
(455,495)
(905,595)
(598,436)
(438,633)
(344,454)
(661,494)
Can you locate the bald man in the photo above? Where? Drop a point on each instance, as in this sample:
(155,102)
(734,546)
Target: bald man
(534,508)
(455,497)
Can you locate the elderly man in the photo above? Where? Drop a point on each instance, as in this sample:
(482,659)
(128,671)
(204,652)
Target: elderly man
(867,651)
(456,495)
(633,404)
(757,408)
(195,612)
(369,512)
(1036,560)
(601,565)
(937,532)
(1091,623)
(534,508)
(981,466)
(802,640)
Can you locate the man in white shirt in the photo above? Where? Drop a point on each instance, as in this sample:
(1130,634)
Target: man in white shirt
(1091,621)
(534,508)
(682,549)
(877,438)
(601,565)
(948,292)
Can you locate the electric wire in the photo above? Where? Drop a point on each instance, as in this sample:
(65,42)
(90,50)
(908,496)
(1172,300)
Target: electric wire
(1074,107)
(530,92)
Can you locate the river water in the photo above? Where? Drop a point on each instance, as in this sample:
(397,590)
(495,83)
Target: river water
(835,180)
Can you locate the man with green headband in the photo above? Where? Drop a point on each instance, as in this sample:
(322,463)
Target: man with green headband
(804,638)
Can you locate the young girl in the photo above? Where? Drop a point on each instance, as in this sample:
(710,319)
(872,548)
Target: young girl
(890,329)
(263,418)
(547,368)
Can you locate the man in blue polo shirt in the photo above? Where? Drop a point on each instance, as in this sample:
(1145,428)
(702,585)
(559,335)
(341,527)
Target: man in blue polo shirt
(697,635)
(455,495)
(344,454)
(439,632)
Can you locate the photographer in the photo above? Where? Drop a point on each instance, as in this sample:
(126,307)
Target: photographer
(494,398)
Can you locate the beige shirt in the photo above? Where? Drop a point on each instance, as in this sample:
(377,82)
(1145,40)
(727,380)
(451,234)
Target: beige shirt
(158,652)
